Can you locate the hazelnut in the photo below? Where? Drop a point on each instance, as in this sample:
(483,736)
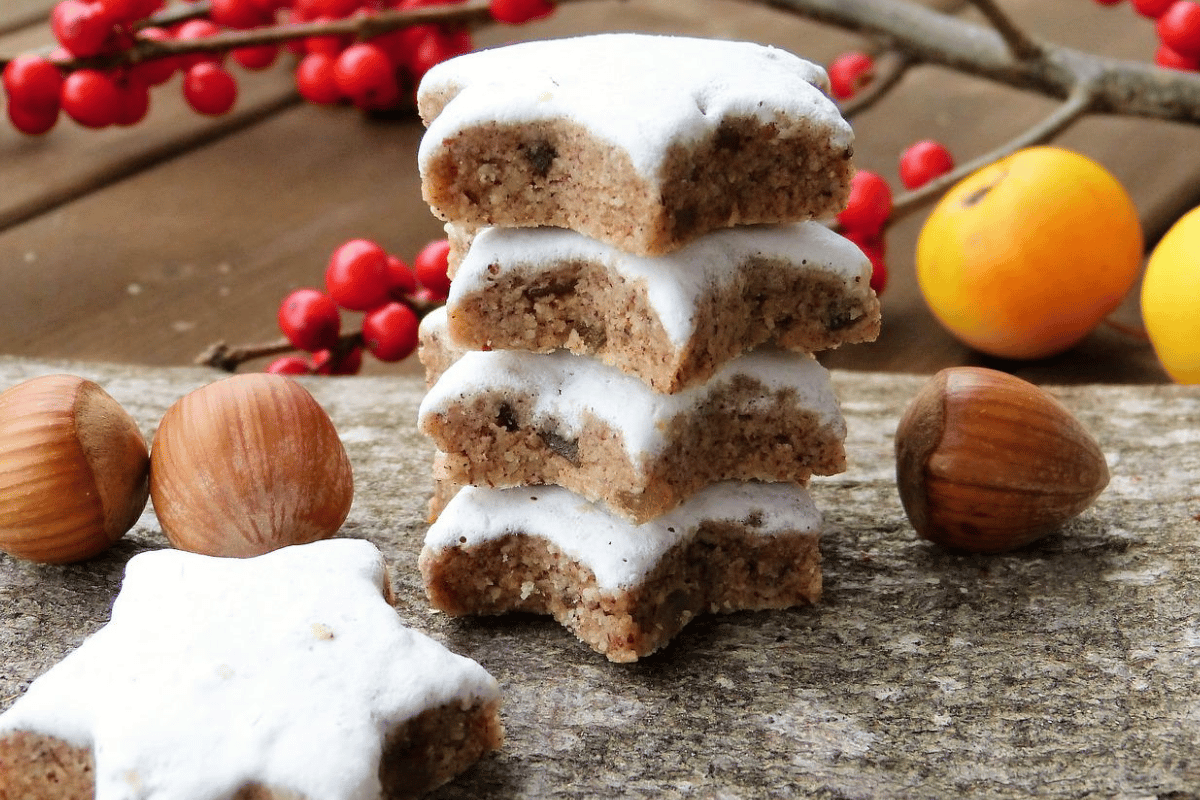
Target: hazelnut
(987,462)
(73,470)
(246,465)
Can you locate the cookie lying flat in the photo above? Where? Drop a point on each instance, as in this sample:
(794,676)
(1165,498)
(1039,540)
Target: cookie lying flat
(669,320)
(625,590)
(509,418)
(644,142)
(282,677)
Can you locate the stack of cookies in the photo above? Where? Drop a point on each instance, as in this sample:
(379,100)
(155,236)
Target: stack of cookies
(621,386)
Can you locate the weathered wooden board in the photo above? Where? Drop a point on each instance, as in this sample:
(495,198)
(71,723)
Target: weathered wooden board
(1064,670)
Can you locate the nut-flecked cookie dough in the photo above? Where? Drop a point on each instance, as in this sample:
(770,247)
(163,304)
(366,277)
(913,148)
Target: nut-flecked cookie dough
(625,590)
(510,418)
(670,320)
(287,676)
(644,142)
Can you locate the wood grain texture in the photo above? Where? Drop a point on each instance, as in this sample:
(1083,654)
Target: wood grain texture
(1065,669)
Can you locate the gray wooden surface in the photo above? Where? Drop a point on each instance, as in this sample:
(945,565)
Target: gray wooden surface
(1064,670)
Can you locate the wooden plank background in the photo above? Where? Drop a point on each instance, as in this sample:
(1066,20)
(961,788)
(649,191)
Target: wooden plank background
(147,244)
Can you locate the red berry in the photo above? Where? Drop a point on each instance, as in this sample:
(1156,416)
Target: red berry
(875,249)
(193,30)
(160,70)
(82,28)
(1168,59)
(310,320)
(516,12)
(334,9)
(849,73)
(1179,28)
(91,98)
(134,103)
(357,275)
(333,362)
(431,265)
(329,45)
(390,332)
(869,205)
(365,75)
(31,122)
(256,57)
(236,13)
(435,47)
(209,89)
(1152,8)
(924,161)
(314,79)
(291,365)
(401,280)
(122,11)
(33,83)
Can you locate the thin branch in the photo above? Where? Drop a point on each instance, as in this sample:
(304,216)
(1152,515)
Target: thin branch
(1022,45)
(1078,105)
(468,13)
(228,357)
(1132,88)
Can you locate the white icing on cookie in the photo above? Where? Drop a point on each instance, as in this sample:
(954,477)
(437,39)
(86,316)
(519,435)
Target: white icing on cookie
(286,669)
(619,553)
(674,282)
(640,93)
(563,387)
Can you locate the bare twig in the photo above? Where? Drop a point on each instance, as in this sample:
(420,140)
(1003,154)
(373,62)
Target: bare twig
(1068,113)
(229,357)
(1130,88)
(1019,42)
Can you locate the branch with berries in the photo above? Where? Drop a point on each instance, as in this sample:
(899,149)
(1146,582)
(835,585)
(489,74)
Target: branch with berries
(372,53)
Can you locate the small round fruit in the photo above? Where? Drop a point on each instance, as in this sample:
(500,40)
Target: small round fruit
(432,266)
(923,161)
(73,470)
(849,73)
(868,206)
(1023,258)
(310,320)
(357,276)
(247,465)
(987,462)
(1171,299)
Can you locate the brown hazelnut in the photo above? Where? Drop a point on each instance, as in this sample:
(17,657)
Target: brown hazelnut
(246,465)
(73,470)
(987,462)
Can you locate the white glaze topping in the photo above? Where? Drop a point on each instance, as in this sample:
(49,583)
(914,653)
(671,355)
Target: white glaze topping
(285,669)
(562,387)
(639,92)
(619,553)
(674,282)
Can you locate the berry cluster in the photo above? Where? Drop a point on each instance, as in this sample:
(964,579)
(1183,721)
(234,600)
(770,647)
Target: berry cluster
(1177,23)
(870,202)
(373,75)
(361,276)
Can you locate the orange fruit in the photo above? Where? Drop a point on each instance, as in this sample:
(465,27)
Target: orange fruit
(1023,258)
(1171,299)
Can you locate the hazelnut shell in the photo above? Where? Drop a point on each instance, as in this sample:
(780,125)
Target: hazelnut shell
(246,465)
(73,470)
(987,462)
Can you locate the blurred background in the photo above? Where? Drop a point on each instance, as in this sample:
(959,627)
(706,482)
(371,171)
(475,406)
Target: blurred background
(148,244)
